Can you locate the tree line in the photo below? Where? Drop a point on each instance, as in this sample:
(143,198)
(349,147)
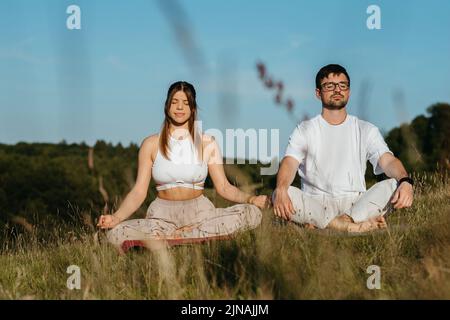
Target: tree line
(60,182)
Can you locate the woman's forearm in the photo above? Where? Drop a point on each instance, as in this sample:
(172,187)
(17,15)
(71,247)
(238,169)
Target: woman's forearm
(129,205)
(233,194)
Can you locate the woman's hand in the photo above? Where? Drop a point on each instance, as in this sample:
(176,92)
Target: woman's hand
(262,202)
(108,221)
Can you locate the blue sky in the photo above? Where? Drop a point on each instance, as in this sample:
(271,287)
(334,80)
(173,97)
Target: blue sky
(109,80)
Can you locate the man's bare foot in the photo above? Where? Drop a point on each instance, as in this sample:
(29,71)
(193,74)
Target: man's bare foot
(347,218)
(309,226)
(345,223)
(341,223)
(369,225)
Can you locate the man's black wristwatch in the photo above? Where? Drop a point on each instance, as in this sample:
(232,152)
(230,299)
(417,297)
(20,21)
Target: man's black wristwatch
(407,179)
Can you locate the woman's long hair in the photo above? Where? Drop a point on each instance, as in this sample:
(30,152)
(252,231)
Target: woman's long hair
(189,90)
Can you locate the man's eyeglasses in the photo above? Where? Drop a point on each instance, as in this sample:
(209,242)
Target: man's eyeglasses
(330,86)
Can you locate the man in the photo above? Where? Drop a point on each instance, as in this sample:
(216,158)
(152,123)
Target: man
(330,152)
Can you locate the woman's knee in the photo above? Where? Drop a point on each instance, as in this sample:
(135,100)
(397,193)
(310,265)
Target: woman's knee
(254,216)
(113,236)
(250,216)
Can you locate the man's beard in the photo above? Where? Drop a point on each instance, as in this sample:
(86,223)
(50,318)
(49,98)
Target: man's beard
(335,104)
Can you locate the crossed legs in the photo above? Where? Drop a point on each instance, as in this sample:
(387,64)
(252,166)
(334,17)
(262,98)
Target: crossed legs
(352,214)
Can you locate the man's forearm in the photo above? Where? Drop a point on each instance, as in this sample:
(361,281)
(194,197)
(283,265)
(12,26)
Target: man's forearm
(287,172)
(395,169)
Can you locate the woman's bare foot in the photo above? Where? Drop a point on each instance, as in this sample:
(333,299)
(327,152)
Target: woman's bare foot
(345,223)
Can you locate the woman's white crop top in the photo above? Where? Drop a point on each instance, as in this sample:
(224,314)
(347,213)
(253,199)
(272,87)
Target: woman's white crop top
(182,170)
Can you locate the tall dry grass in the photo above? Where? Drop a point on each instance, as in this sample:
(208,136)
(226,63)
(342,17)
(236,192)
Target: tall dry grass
(274,261)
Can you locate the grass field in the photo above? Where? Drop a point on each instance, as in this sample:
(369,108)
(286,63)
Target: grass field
(274,261)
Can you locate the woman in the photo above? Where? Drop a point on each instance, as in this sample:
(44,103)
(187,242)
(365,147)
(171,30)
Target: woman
(179,159)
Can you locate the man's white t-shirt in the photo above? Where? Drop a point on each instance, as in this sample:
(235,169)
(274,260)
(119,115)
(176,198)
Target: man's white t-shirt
(333,157)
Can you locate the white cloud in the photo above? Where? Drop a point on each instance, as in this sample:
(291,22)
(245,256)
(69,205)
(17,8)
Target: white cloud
(298,40)
(116,63)
(21,51)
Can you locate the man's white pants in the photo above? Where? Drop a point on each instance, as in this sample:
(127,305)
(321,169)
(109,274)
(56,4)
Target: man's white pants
(319,210)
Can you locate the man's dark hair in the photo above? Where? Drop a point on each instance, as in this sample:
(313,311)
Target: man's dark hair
(327,70)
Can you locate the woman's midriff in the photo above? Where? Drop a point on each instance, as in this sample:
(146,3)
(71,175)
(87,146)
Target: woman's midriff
(179,193)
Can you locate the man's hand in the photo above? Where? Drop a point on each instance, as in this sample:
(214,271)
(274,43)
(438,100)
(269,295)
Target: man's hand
(393,168)
(403,196)
(282,205)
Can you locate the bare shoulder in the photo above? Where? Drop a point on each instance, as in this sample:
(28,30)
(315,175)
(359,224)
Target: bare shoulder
(207,140)
(150,144)
(151,140)
(211,149)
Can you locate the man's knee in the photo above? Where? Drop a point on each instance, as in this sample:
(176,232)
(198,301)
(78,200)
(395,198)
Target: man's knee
(294,192)
(374,203)
(389,184)
(383,189)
